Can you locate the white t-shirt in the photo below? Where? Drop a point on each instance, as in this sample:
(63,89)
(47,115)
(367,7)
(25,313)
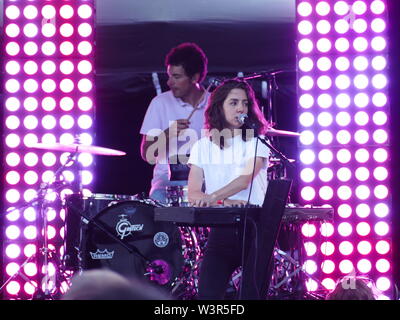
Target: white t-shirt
(163,109)
(221,166)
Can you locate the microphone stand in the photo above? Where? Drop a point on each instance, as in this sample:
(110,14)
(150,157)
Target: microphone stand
(278,153)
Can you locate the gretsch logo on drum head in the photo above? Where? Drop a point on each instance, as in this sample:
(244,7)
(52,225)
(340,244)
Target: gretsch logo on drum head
(124,228)
(161,239)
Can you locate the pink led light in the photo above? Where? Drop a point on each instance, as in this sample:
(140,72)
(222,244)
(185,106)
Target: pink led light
(324,101)
(12,177)
(49,138)
(49,122)
(12,85)
(360,26)
(66,104)
(364,247)
(341,8)
(322,8)
(48,12)
(13,159)
(49,85)
(48,30)
(12,48)
(66,85)
(13,251)
(327,229)
(48,48)
(379,63)
(381,228)
(328,266)
(306,101)
(307,137)
(13,288)
(363,229)
(381,192)
(325,119)
(342,64)
(12,12)
(346,266)
(12,30)
(342,26)
(30,214)
(360,44)
(308,230)
(305,45)
(343,100)
(66,30)
(324,64)
(377,7)
(67,138)
(343,137)
(48,104)
(382,265)
(342,44)
(359,7)
(345,229)
(12,122)
(12,232)
(325,137)
(67,122)
(362,174)
(380,173)
(344,211)
(304,27)
(324,45)
(29,250)
(362,192)
(326,193)
(310,248)
(362,155)
(30,232)
(31,85)
(85,30)
(31,159)
(30,139)
(30,269)
(85,48)
(363,210)
(343,119)
(364,266)
(361,81)
(12,104)
(30,104)
(67,12)
(381,210)
(30,30)
(49,159)
(85,67)
(382,247)
(31,177)
(379,99)
(305,64)
(306,119)
(379,81)
(324,82)
(344,192)
(66,67)
(327,249)
(307,175)
(343,156)
(304,9)
(13,140)
(310,266)
(383,283)
(325,156)
(378,43)
(378,25)
(66,48)
(328,283)
(346,248)
(361,100)
(13,67)
(325,174)
(48,67)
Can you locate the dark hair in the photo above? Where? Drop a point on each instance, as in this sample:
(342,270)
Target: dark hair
(214,114)
(351,289)
(191,57)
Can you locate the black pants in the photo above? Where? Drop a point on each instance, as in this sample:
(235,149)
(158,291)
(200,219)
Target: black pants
(222,256)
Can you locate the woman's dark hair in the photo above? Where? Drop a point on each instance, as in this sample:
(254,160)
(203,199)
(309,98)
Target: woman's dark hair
(191,57)
(351,289)
(214,114)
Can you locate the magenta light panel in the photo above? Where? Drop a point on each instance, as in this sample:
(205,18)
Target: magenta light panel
(48,87)
(344,148)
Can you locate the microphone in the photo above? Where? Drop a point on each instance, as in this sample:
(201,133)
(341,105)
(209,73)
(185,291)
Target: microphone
(243,118)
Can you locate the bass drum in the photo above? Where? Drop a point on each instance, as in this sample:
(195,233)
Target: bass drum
(125,238)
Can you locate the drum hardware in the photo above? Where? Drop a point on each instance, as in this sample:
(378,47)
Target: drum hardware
(44,254)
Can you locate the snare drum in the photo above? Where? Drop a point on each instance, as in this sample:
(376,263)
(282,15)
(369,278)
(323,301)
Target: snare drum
(124,237)
(177,196)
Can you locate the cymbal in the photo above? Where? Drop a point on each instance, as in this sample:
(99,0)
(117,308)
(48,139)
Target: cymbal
(80,148)
(281,133)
